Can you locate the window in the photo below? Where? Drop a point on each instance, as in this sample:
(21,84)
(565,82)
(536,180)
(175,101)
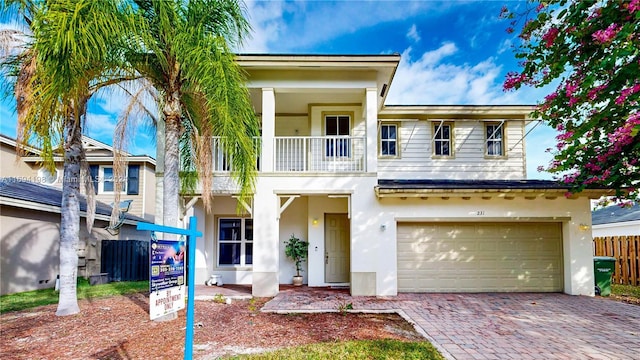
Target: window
(494,133)
(388,140)
(337,126)
(442,139)
(235,242)
(108,183)
(104,181)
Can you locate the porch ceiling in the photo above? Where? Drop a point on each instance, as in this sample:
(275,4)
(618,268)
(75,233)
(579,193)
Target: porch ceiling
(296,101)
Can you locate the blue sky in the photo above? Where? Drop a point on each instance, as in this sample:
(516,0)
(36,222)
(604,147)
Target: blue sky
(453,52)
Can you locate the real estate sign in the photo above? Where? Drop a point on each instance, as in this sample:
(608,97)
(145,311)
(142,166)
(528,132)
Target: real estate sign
(166,280)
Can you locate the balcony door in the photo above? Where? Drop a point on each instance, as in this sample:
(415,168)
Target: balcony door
(338,129)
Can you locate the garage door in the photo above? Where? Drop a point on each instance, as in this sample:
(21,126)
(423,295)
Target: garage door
(472,257)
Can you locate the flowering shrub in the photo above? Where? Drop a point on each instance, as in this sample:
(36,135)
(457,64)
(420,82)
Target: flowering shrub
(592,50)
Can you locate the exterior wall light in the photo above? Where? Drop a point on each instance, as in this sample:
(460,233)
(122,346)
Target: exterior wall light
(584,227)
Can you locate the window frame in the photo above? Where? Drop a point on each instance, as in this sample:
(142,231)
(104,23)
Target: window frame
(502,140)
(396,140)
(434,127)
(242,241)
(343,149)
(102,180)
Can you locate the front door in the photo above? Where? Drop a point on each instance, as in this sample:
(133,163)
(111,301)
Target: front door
(336,268)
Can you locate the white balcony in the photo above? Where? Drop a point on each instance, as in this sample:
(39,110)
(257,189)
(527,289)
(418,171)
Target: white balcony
(306,154)
(331,154)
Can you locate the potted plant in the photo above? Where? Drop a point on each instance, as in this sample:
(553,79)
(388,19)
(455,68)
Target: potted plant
(296,250)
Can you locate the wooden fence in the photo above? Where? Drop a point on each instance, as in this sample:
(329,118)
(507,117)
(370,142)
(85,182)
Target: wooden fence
(626,250)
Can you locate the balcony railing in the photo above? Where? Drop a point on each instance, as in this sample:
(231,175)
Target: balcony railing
(329,154)
(319,154)
(220,161)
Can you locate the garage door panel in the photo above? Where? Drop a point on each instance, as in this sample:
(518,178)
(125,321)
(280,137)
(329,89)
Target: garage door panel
(454,257)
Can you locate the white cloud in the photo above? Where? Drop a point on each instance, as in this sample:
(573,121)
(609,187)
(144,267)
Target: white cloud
(436,78)
(413,33)
(505,45)
(292,25)
(432,79)
(100,126)
(266,21)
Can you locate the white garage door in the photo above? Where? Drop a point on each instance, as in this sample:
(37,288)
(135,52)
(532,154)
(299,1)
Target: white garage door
(476,257)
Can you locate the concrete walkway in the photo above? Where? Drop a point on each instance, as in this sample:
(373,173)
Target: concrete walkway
(495,326)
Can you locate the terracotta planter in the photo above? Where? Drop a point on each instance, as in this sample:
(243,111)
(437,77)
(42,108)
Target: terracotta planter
(297,281)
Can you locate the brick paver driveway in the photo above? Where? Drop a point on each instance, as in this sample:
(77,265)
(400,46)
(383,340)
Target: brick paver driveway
(497,326)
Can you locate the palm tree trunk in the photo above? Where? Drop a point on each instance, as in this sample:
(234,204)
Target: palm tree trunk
(171,206)
(171,182)
(159,217)
(70,218)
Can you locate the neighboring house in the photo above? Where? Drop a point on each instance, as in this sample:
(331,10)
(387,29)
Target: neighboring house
(30,235)
(139,183)
(416,198)
(616,221)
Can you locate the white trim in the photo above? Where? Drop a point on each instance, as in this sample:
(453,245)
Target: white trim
(616,224)
(142,189)
(244,204)
(389,140)
(284,206)
(93,159)
(348,202)
(558,219)
(101,180)
(242,241)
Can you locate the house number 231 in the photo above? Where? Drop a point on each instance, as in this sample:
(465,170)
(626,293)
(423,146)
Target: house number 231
(480,212)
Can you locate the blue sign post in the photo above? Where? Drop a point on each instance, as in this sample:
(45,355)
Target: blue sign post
(192,233)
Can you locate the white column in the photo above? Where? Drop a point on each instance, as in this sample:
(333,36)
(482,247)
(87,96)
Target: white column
(371,104)
(265,242)
(578,250)
(268,129)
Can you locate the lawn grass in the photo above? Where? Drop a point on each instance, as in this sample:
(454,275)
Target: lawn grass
(30,299)
(360,349)
(626,290)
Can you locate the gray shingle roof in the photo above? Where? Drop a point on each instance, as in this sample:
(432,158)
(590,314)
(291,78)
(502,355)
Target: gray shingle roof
(615,214)
(18,189)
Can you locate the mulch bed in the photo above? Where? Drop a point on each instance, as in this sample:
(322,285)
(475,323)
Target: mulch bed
(119,328)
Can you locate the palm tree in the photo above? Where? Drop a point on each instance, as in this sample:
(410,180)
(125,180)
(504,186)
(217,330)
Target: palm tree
(201,89)
(71,53)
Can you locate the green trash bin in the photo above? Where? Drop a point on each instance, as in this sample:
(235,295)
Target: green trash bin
(603,266)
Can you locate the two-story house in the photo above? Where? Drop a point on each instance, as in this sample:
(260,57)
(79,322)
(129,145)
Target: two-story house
(391,199)
(30,197)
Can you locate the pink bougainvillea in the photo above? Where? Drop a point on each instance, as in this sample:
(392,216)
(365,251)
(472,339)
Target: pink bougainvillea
(591,53)
(550,36)
(605,36)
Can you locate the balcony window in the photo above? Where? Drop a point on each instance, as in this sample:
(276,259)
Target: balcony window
(337,126)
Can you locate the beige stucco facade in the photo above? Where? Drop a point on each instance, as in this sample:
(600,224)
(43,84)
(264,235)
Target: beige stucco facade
(29,244)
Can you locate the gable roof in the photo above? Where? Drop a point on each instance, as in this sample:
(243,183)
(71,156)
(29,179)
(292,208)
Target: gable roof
(96,151)
(615,214)
(17,192)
